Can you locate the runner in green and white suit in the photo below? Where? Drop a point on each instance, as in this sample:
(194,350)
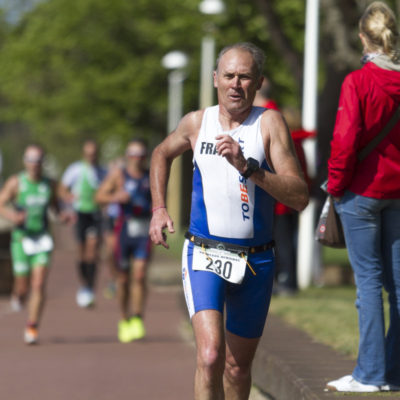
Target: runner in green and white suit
(77,189)
(31,244)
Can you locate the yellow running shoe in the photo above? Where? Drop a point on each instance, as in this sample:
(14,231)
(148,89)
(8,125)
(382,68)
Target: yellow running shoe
(124,331)
(137,328)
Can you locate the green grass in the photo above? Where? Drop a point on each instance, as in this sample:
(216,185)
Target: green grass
(335,257)
(328,314)
(175,242)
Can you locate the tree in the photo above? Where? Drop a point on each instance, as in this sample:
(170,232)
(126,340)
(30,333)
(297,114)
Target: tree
(73,69)
(91,68)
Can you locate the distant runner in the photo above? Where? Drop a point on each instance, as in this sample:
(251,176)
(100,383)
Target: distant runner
(130,188)
(31,194)
(77,189)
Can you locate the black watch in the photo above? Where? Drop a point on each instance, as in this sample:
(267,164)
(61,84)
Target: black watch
(252,166)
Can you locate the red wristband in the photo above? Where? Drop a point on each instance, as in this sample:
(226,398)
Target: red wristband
(157,208)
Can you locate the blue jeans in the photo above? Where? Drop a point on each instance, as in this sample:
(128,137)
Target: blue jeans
(372,232)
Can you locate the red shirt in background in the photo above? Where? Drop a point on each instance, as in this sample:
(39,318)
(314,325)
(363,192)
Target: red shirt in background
(298,136)
(368,99)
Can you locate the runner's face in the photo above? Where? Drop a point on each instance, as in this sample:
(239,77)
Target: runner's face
(33,159)
(90,152)
(236,81)
(136,155)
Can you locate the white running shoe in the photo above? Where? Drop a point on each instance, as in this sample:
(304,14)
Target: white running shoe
(349,384)
(31,335)
(390,388)
(15,304)
(85,297)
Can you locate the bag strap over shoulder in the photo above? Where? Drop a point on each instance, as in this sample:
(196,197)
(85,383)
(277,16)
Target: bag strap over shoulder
(378,138)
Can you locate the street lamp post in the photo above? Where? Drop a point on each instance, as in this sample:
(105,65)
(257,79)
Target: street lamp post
(175,61)
(308,255)
(208,7)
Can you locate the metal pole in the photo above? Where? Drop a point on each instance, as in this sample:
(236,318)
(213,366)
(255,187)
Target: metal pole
(175,110)
(207,69)
(175,94)
(307,255)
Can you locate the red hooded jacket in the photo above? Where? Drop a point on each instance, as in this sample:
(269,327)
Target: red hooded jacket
(368,99)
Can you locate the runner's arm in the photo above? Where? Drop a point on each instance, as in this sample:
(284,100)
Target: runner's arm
(286,184)
(67,181)
(56,206)
(65,193)
(111,189)
(179,141)
(54,200)
(7,194)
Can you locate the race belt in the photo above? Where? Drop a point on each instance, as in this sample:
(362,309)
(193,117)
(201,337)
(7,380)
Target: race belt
(234,248)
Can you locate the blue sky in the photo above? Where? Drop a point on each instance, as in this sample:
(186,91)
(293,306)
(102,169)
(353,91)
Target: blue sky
(15,8)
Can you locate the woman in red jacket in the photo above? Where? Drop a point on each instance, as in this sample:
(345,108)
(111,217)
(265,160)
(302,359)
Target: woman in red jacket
(367,197)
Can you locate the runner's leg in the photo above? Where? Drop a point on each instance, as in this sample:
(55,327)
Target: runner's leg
(209,335)
(90,258)
(21,288)
(110,240)
(123,293)
(81,264)
(239,357)
(138,285)
(37,297)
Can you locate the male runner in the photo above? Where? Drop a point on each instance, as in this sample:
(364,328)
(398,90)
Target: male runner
(77,190)
(243,160)
(31,194)
(130,188)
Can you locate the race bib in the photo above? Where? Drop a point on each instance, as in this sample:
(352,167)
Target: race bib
(40,244)
(138,228)
(229,266)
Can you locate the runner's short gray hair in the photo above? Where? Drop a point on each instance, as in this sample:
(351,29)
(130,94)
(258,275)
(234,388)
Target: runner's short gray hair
(257,54)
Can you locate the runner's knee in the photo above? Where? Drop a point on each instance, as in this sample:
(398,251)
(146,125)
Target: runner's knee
(140,276)
(236,373)
(123,278)
(210,358)
(37,285)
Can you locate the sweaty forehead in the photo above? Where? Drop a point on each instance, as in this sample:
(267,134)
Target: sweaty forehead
(33,152)
(237,60)
(136,147)
(90,147)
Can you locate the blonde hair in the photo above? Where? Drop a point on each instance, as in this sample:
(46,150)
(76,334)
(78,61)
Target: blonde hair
(378,26)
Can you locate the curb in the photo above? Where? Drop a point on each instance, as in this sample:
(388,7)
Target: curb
(290,365)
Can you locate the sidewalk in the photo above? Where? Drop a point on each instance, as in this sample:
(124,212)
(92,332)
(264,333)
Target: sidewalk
(290,365)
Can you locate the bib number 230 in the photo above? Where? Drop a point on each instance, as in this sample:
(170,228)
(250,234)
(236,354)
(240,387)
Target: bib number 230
(227,265)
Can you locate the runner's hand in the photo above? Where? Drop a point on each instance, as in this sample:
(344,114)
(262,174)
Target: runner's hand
(230,149)
(121,196)
(18,217)
(67,217)
(159,222)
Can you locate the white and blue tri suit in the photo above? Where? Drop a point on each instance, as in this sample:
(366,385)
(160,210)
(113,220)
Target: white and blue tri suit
(229,208)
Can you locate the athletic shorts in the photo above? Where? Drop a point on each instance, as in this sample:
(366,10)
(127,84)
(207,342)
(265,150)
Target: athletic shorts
(22,263)
(88,224)
(128,248)
(108,224)
(246,303)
